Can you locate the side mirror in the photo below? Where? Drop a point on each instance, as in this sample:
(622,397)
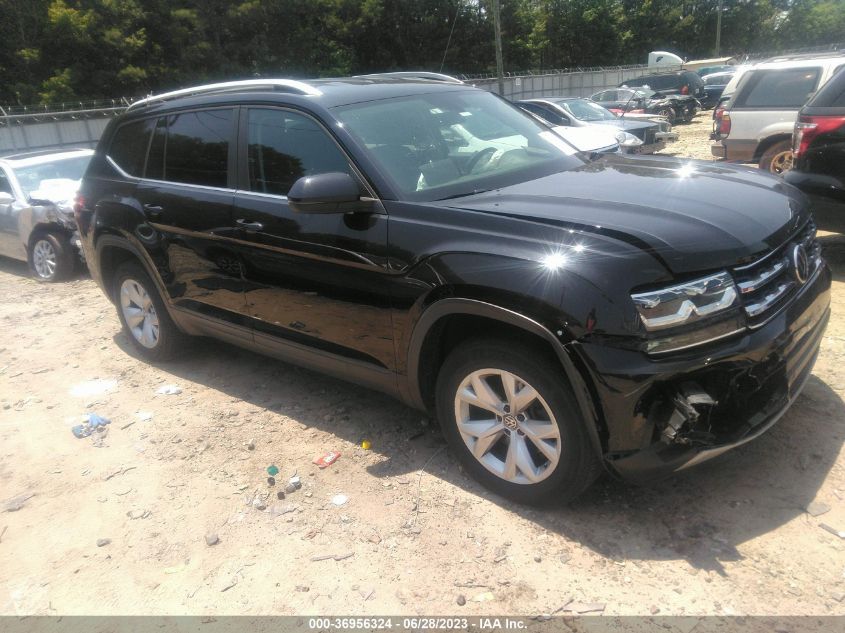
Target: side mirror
(333,192)
(6,197)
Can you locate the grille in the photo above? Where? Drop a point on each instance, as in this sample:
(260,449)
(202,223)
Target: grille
(766,285)
(649,136)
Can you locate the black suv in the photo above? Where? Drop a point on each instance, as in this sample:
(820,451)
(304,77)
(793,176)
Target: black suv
(432,241)
(818,146)
(682,82)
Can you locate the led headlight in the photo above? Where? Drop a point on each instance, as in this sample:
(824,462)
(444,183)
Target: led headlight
(702,300)
(626,139)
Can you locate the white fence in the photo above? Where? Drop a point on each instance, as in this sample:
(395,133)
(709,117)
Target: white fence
(580,83)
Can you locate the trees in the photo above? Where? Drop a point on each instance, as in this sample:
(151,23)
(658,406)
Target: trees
(59,50)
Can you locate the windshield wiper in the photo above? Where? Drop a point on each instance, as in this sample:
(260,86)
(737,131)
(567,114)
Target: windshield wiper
(464,195)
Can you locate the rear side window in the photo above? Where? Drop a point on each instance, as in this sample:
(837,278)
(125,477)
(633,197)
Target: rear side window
(284,146)
(788,88)
(5,185)
(547,115)
(129,146)
(197,150)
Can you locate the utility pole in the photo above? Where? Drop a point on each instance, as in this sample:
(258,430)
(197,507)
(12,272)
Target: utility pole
(718,27)
(497,27)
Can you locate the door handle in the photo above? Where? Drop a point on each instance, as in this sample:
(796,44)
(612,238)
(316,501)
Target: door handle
(153,211)
(250,226)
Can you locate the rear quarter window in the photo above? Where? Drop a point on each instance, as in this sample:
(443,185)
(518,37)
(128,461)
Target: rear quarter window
(787,88)
(128,147)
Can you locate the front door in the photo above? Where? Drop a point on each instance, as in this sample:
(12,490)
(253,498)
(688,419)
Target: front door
(187,196)
(314,280)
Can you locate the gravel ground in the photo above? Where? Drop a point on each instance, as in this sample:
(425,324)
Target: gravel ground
(120,523)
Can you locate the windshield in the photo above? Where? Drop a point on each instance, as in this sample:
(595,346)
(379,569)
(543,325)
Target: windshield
(450,144)
(51,175)
(585,110)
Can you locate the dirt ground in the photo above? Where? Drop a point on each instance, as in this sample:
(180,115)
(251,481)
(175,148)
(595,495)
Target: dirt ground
(730,537)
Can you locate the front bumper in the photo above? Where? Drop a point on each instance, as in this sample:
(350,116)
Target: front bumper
(753,379)
(651,148)
(669,137)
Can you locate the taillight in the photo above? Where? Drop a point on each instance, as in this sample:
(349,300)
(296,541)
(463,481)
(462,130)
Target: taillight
(78,206)
(685,90)
(807,128)
(725,124)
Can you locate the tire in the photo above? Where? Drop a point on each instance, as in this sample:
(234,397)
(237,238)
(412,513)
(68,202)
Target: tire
(667,112)
(689,113)
(50,257)
(577,465)
(778,158)
(155,336)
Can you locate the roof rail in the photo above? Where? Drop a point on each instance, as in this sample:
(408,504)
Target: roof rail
(291,84)
(800,56)
(422,74)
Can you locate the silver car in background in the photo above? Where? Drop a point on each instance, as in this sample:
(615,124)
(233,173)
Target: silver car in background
(37,191)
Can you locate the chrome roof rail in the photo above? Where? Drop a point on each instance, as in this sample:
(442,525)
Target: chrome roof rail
(422,74)
(294,86)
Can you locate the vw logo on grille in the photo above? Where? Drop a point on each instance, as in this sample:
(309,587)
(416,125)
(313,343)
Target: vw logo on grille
(800,263)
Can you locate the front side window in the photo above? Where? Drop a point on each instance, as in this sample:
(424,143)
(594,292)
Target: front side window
(449,144)
(36,179)
(284,146)
(788,88)
(553,118)
(5,185)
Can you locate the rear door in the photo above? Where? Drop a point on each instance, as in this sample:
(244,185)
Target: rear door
(10,239)
(314,280)
(187,194)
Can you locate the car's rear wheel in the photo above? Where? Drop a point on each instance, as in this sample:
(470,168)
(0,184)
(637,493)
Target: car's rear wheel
(51,257)
(778,158)
(143,315)
(510,416)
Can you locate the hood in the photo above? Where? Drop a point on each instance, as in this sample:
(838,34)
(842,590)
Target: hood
(692,215)
(629,125)
(588,138)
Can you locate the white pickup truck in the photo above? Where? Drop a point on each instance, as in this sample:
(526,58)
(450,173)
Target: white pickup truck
(755,125)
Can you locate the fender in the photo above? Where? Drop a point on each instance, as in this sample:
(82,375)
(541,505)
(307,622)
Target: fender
(451,306)
(111,240)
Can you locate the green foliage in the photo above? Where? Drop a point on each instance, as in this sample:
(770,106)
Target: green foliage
(58,50)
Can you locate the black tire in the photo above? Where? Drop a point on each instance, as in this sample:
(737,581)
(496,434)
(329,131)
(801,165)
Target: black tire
(169,339)
(777,159)
(578,466)
(689,113)
(61,258)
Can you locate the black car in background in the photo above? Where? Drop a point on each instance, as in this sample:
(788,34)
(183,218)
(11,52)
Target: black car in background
(648,136)
(681,82)
(714,86)
(818,145)
(646,101)
(559,315)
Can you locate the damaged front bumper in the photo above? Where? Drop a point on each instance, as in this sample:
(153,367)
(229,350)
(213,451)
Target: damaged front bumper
(666,415)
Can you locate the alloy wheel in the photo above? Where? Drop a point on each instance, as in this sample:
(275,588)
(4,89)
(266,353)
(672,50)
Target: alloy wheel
(44,259)
(139,312)
(507,426)
(781,162)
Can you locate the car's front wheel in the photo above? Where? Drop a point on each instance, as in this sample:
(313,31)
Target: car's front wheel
(511,418)
(143,315)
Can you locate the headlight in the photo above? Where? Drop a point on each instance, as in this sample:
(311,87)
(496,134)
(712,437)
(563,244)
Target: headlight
(711,301)
(626,139)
